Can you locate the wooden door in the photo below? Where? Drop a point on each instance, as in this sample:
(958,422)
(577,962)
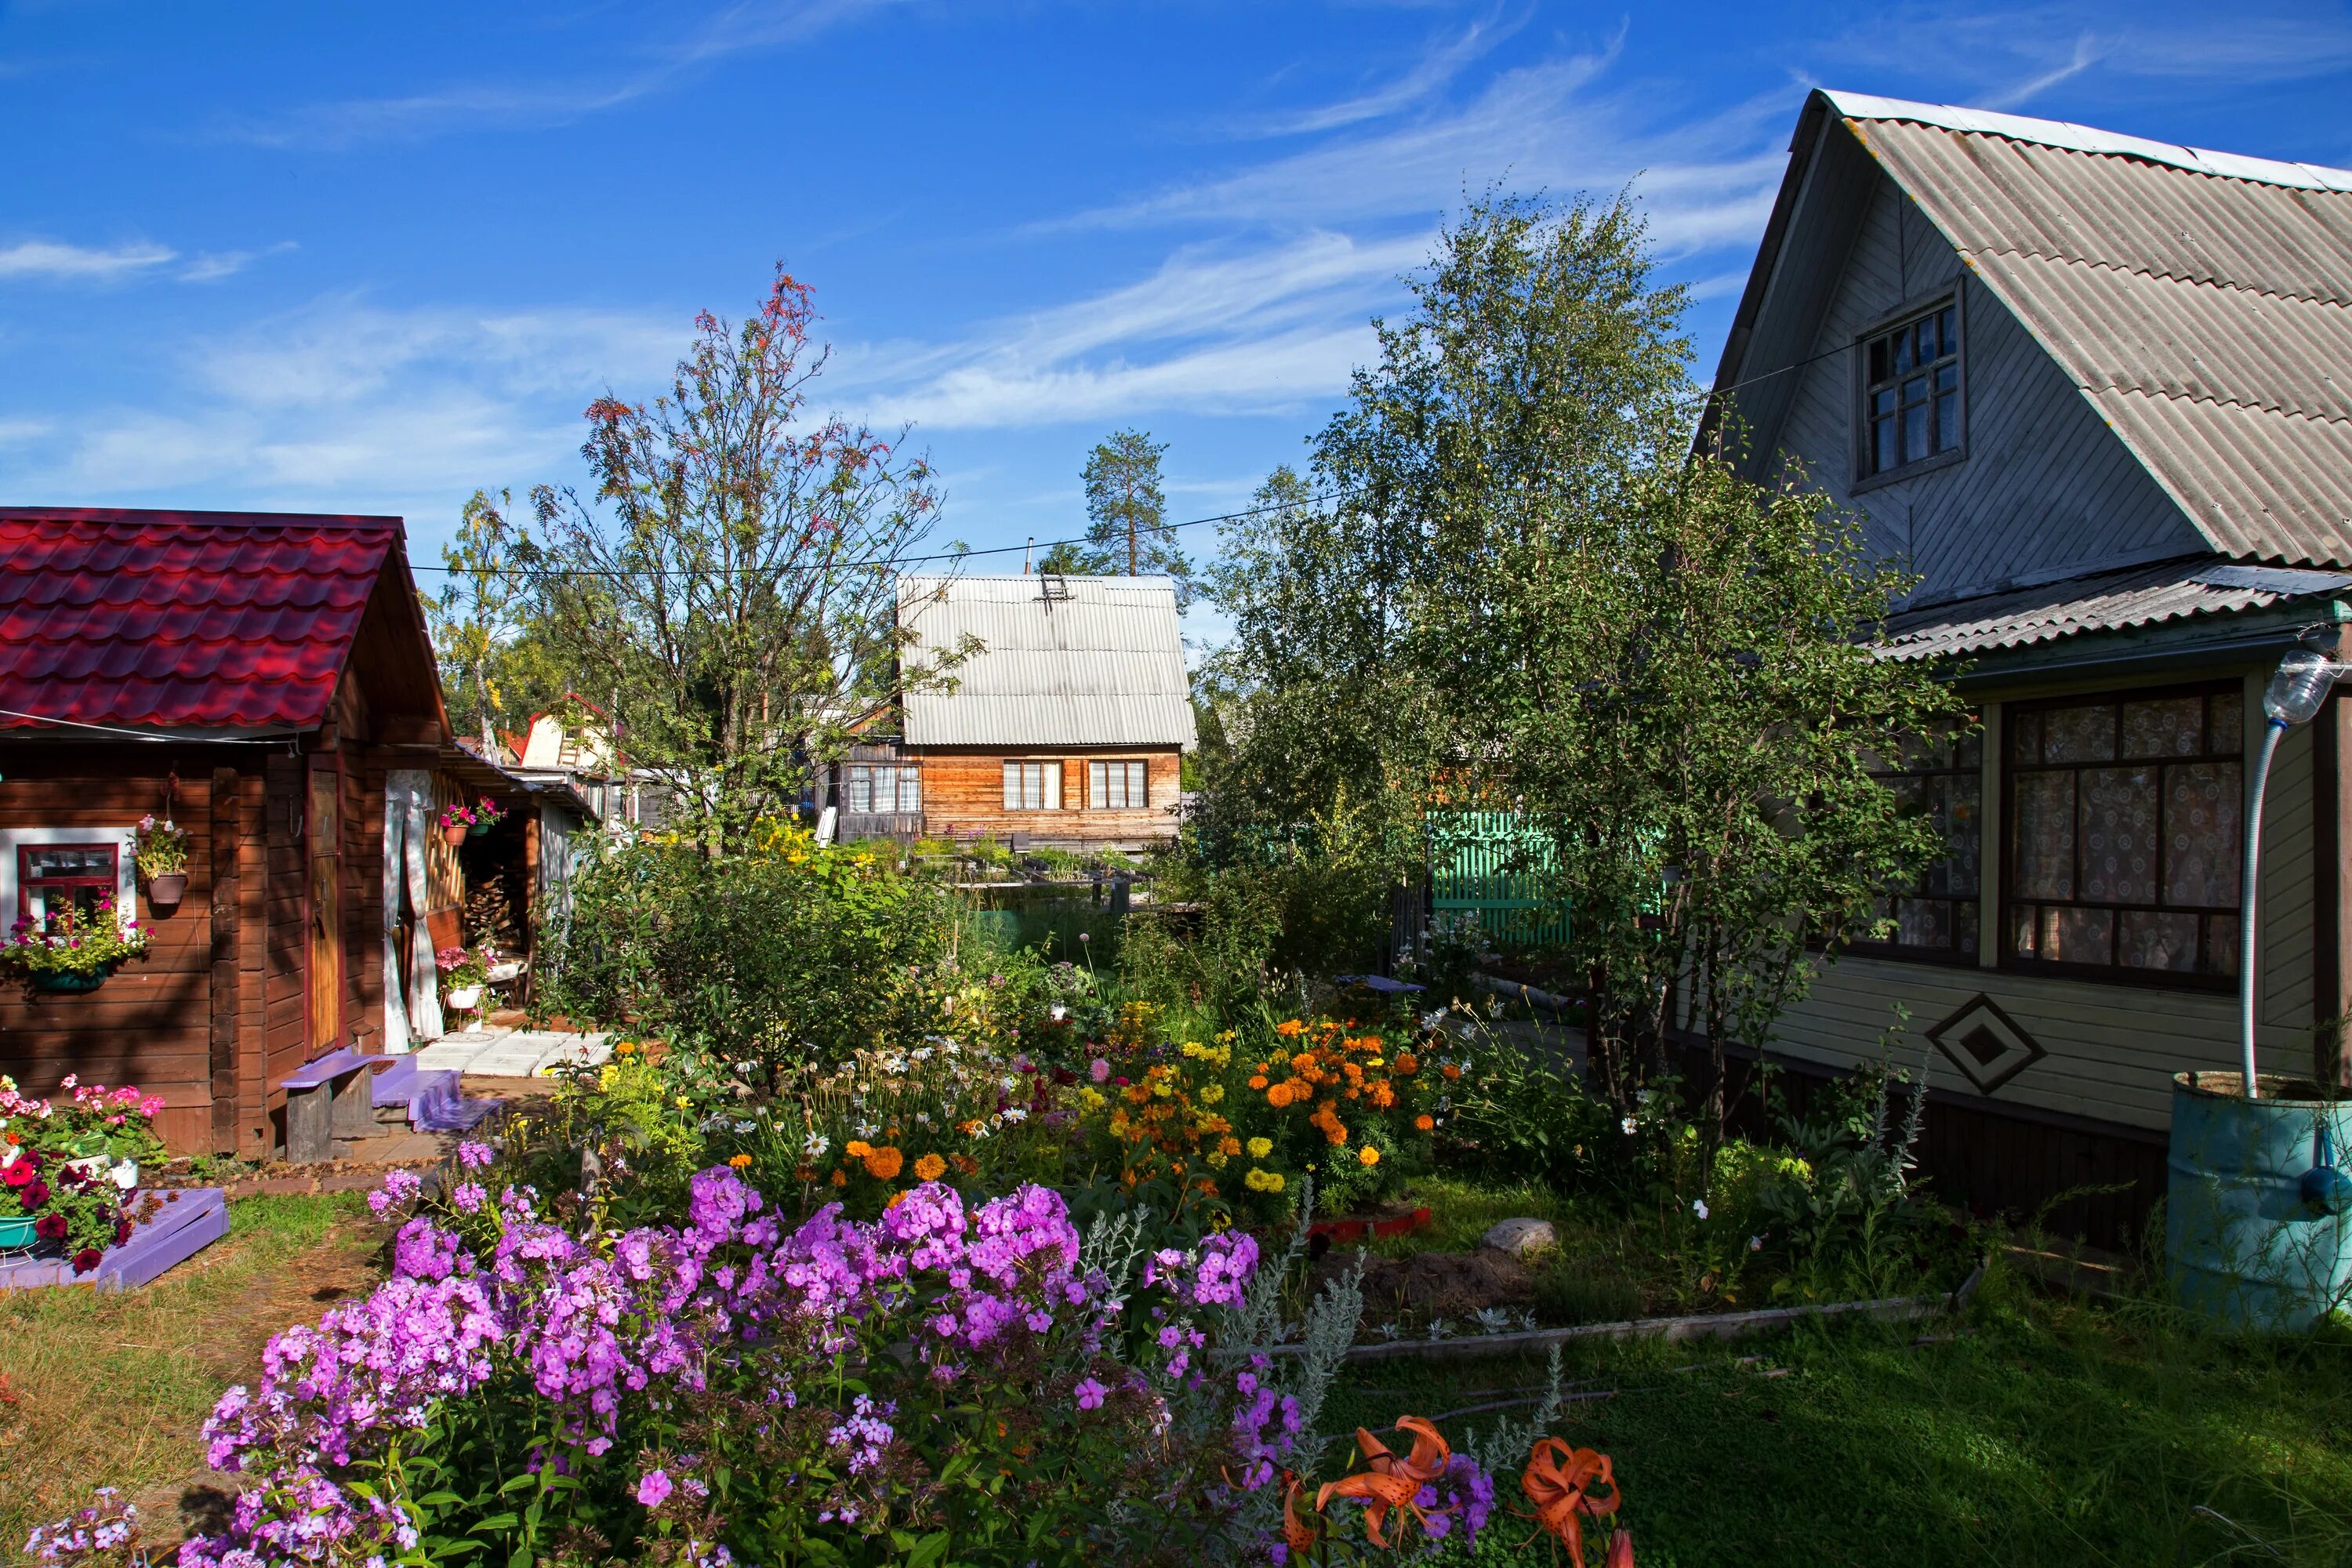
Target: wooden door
(324,822)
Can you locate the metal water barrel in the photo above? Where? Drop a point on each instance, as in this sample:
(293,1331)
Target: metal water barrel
(2253,1239)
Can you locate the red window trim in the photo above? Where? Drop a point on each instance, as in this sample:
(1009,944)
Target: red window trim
(109,886)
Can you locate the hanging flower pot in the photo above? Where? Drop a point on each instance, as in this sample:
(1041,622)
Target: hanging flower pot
(463,998)
(166,892)
(15,1235)
(486,816)
(454,832)
(478,829)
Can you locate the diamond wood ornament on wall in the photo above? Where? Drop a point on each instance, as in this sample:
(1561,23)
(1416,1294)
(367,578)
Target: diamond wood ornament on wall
(1985,1044)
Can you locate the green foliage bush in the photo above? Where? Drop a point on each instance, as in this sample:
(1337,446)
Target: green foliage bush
(783,954)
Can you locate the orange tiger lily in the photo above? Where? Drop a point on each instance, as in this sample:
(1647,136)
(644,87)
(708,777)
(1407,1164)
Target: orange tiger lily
(1391,1482)
(1296,1533)
(1559,1480)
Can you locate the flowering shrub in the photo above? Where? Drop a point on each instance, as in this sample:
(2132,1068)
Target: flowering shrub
(72,942)
(107,1531)
(1342,1104)
(978,1382)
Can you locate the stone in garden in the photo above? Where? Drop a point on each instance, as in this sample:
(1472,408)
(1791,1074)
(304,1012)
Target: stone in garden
(1522,1237)
(1430,1284)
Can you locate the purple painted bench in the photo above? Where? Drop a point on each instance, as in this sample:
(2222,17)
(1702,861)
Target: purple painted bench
(189,1221)
(326,1100)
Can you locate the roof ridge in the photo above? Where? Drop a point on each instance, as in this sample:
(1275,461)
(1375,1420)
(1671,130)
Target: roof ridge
(2068,136)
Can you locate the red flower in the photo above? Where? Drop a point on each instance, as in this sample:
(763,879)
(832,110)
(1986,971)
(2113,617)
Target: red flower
(85,1260)
(36,1195)
(19,1173)
(122,1231)
(50,1226)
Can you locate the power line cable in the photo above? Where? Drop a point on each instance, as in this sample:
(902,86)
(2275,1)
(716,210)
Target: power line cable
(902,560)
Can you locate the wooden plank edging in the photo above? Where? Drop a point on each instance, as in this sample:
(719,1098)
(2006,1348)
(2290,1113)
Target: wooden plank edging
(1697,1326)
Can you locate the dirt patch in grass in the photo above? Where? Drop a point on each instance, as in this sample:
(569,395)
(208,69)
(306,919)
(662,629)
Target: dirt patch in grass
(113,1390)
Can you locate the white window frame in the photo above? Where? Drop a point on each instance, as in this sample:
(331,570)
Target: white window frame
(1017,783)
(1134,780)
(126,867)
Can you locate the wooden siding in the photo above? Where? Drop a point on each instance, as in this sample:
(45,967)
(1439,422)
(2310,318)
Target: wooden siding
(2044,488)
(2112,1046)
(964,791)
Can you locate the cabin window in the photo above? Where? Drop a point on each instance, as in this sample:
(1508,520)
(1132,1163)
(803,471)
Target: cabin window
(1117,786)
(1911,392)
(884,788)
(1033,786)
(52,878)
(1939,777)
(2125,819)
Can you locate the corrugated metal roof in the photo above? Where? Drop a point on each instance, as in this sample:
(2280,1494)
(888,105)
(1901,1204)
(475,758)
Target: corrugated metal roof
(2141,596)
(1103,665)
(182,620)
(2201,301)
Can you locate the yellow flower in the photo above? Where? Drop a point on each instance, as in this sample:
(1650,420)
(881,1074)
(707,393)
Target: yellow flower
(1260,1148)
(741,1162)
(1091,1098)
(1212,1093)
(1367,1155)
(683,1102)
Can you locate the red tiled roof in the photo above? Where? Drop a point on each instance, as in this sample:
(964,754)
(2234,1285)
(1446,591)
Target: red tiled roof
(181,619)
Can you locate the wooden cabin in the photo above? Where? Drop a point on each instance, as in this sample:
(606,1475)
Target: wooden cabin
(265,681)
(2093,390)
(1066,727)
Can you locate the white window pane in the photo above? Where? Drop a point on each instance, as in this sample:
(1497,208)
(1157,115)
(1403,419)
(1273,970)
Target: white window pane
(1052,774)
(910,789)
(1137,786)
(1013,787)
(861,790)
(1098,785)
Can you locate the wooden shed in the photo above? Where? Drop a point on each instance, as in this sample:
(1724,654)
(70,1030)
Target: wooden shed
(262,681)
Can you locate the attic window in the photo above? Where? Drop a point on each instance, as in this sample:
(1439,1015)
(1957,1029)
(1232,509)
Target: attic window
(1911,392)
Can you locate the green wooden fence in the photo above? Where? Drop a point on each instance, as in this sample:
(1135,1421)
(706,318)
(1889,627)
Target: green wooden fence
(1495,865)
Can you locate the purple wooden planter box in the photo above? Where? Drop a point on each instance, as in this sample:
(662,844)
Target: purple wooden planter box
(190,1220)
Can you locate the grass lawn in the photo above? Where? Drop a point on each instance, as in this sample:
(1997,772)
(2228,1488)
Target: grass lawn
(2050,1433)
(112,1390)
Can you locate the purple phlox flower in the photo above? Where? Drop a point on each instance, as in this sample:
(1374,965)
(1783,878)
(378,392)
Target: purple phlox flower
(474,1155)
(654,1489)
(399,1188)
(1090,1395)
(864,1433)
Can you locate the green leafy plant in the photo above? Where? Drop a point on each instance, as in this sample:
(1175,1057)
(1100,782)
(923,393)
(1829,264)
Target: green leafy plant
(163,848)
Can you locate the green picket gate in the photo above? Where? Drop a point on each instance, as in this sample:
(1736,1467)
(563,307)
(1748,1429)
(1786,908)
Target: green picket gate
(1494,864)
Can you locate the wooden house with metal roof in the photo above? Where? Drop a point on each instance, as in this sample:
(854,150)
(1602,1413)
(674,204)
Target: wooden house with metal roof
(266,682)
(1062,720)
(2096,392)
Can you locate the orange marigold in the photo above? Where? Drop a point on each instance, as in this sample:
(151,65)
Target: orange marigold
(841,1178)
(1451,1072)
(884,1163)
(1257,1080)
(1423,1123)
(1382,1096)
(1335,1134)
(1407,1064)
(1290,1027)
(1303,1062)
(965,1164)
(930,1168)
(858,1148)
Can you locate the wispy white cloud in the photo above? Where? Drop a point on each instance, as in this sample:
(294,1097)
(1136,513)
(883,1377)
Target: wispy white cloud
(750,25)
(1431,74)
(410,409)
(53,259)
(2006,58)
(1704,181)
(1211,330)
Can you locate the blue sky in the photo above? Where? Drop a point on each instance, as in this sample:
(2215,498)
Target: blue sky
(368,258)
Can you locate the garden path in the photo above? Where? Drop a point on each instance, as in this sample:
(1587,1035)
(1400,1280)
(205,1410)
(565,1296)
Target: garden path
(495,1052)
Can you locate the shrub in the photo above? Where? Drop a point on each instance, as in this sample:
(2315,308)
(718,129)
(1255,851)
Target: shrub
(784,954)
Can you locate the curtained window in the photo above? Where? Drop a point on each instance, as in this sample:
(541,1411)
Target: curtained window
(1939,777)
(2124,835)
